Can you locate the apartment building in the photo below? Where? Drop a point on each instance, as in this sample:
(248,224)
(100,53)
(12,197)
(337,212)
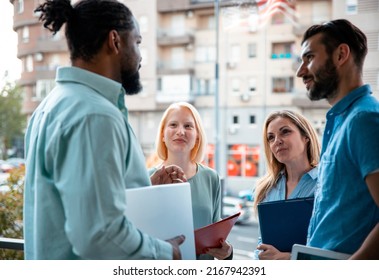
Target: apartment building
(180,49)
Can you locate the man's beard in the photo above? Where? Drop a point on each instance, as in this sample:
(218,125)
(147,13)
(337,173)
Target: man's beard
(131,82)
(327,82)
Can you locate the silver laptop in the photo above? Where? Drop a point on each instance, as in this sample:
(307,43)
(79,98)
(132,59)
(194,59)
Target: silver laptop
(302,252)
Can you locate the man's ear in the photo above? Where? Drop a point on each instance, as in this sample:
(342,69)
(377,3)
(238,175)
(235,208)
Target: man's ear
(113,41)
(342,54)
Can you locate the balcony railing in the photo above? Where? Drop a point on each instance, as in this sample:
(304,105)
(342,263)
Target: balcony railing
(12,243)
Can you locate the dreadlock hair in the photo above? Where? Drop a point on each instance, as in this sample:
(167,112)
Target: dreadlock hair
(88,23)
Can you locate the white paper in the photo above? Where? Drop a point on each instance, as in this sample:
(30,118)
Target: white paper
(163,211)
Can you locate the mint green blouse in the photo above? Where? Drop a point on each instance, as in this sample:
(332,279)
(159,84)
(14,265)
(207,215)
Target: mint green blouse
(205,196)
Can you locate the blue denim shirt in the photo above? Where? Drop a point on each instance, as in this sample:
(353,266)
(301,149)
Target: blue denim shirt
(305,188)
(344,212)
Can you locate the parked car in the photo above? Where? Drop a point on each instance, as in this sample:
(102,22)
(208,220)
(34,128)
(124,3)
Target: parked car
(5,167)
(246,194)
(233,205)
(16,162)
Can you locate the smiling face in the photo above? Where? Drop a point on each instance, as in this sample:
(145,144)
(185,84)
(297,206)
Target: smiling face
(317,70)
(286,142)
(179,132)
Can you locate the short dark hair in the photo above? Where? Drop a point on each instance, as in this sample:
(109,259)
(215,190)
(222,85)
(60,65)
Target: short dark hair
(341,31)
(88,23)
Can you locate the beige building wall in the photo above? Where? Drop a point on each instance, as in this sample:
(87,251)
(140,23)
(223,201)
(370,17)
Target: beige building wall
(257,67)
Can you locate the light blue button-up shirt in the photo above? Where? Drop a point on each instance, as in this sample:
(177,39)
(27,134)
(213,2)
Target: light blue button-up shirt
(344,211)
(81,154)
(305,188)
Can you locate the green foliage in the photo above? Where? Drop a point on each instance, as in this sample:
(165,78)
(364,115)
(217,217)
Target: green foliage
(11,210)
(12,121)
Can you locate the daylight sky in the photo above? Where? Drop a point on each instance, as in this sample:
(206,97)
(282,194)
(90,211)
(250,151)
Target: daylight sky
(8,49)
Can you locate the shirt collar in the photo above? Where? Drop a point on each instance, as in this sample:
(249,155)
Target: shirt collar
(109,89)
(349,99)
(313,173)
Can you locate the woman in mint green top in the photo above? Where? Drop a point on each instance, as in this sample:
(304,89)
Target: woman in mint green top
(181,140)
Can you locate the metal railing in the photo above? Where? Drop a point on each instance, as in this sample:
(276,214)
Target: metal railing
(11,243)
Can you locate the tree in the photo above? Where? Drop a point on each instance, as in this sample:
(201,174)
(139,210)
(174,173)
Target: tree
(11,212)
(12,121)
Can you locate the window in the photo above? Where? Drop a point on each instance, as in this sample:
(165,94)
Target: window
(235,119)
(205,87)
(159,84)
(279,18)
(282,50)
(178,25)
(234,53)
(243,160)
(236,85)
(54,62)
(252,85)
(252,50)
(43,88)
(351,7)
(143,24)
(252,119)
(282,85)
(29,63)
(205,54)
(25,34)
(20,6)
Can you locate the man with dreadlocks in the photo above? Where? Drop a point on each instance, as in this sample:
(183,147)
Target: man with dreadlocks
(81,152)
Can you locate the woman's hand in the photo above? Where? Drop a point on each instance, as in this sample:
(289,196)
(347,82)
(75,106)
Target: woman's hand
(168,175)
(221,253)
(269,252)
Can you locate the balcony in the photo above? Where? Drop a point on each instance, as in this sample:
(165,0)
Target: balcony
(171,37)
(175,67)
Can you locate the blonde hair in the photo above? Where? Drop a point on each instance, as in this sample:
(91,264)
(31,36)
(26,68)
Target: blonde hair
(267,182)
(198,151)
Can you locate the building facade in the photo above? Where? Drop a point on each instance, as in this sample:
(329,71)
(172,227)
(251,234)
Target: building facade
(183,42)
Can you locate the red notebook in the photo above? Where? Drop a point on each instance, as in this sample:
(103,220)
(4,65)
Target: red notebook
(210,235)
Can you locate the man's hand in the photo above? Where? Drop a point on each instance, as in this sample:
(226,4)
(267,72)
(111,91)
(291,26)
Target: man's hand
(168,175)
(175,242)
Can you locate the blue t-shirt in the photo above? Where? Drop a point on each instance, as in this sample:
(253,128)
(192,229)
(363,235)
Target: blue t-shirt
(344,212)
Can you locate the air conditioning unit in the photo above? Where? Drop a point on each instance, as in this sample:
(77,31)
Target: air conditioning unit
(245,97)
(38,56)
(231,65)
(232,129)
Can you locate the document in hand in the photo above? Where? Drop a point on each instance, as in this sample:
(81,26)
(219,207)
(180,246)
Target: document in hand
(163,211)
(285,222)
(210,235)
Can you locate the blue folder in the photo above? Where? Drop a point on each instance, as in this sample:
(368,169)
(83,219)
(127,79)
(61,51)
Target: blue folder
(285,222)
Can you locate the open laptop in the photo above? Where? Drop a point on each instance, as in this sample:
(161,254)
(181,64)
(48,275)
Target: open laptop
(163,211)
(302,252)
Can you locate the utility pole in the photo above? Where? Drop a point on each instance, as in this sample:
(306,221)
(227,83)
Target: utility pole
(217,100)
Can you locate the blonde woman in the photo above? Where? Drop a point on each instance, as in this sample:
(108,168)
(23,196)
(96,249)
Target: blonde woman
(292,153)
(181,140)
